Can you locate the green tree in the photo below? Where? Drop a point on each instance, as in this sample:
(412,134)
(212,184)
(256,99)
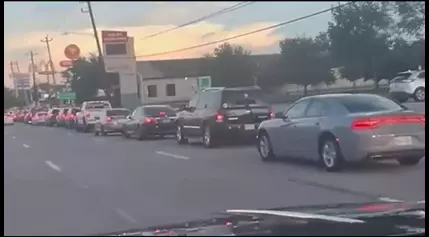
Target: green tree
(10,100)
(411,16)
(230,66)
(359,34)
(86,77)
(304,61)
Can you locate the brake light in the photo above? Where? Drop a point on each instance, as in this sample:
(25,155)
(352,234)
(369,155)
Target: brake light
(108,119)
(86,114)
(161,114)
(219,118)
(271,114)
(373,123)
(148,120)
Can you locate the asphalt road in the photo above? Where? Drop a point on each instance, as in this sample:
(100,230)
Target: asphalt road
(58,182)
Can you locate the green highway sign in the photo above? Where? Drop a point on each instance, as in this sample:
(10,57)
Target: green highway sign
(204,82)
(67,96)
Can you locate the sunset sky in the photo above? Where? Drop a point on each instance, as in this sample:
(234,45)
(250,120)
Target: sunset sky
(27,23)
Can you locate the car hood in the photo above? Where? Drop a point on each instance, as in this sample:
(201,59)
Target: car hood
(375,218)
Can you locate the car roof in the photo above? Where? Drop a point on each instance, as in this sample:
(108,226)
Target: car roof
(149,106)
(243,88)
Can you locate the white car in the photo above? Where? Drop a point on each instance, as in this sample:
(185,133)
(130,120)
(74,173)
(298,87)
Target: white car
(408,84)
(8,120)
(86,119)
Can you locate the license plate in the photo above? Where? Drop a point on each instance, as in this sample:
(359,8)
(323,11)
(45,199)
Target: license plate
(165,120)
(249,127)
(403,141)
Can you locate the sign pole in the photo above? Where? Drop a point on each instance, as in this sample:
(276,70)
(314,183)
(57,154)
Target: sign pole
(12,70)
(35,91)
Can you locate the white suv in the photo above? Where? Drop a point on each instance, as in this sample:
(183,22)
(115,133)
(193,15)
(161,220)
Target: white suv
(408,84)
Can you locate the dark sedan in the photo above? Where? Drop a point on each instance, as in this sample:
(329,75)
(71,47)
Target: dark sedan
(150,120)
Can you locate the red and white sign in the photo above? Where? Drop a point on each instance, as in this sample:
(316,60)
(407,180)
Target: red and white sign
(66,63)
(72,52)
(114,37)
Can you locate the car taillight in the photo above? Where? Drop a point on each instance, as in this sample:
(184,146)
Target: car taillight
(271,114)
(108,119)
(86,114)
(219,118)
(373,123)
(161,114)
(148,120)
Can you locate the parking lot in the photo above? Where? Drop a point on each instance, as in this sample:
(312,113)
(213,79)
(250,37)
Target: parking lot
(60,182)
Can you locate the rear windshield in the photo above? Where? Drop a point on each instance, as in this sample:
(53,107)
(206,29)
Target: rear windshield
(157,111)
(117,112)
(368,103)
(97,106)
(65,111)
(74,111)
(42,114)
(243,98)
(55,111)
(402,76)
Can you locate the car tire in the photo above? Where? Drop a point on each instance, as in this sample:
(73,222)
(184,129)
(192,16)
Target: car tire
(330,154)
(208,139)
(409,161)
(419,94)
(264,148)
(125,134)
(140,134)
(180,138)
(102,132)
(96,133)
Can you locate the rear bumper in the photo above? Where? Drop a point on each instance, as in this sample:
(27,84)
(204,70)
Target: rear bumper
(236,131)
(159,129)
(386,155)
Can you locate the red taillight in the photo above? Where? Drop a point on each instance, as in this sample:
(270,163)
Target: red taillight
(108,119)
(161,114)
(219,118)
(271,114)
(372,123)
(149,120)
(86,114)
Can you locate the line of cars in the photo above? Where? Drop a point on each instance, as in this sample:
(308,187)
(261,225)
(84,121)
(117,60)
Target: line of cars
(331,129)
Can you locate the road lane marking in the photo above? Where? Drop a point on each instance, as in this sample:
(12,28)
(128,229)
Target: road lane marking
(387,199)
(13,137)
(53,166)
(172,155)
(124,215)
(25,145)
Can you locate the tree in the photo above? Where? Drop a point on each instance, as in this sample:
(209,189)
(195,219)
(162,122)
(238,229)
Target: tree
(359,35)
(304,62)
(10,100)
(230,66)
(411,16)
(86,77)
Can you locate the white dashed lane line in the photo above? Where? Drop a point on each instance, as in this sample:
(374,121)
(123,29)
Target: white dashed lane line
(53,166)
(124,215)
(25,146)
(172,155)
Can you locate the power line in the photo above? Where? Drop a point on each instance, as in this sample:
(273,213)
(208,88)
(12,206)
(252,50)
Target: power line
(220,12)
(246,34)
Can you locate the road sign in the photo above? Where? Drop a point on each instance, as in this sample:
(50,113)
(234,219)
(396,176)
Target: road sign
(21,81)
(67,96)
(66,63)
(72,52)
(204,82)
(114,37)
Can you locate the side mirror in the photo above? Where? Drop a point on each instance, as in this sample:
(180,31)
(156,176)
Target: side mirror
(279,115)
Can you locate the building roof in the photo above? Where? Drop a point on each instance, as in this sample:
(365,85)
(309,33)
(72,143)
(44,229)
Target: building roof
(190,67)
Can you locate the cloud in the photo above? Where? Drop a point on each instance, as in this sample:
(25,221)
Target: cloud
(177,39)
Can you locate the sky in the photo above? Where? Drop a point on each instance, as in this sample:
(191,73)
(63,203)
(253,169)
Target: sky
(27,23)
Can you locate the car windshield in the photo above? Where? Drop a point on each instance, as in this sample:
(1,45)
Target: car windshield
(117,112)
(242,98)
(157,111)
(368,103)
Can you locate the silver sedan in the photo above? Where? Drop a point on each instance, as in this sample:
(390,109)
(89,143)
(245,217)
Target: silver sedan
(337,128)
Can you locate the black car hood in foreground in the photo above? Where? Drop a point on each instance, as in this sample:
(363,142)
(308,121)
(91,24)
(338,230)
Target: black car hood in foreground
(363,219)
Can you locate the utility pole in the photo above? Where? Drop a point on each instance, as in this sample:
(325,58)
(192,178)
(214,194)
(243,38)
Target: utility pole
(33,70)
(51,64)
(12,71)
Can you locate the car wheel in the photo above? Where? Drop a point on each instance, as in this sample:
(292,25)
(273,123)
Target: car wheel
(408,161)
(264,148)
(419,94)
(102,132)
(179,135)
(140,134)
(96,133)
(330,155)
(125,134)
(208,139)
